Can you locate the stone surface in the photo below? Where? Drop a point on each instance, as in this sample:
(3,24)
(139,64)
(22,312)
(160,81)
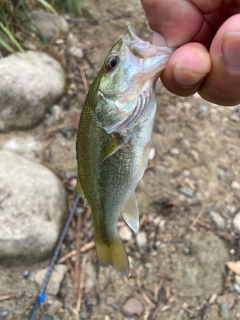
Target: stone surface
(48,24)
(236,221)
(57,276)
(32,206)
(192,273)
(186,191)
(30,84)
(125,233)
(132,307)
(217,220)
(141,239)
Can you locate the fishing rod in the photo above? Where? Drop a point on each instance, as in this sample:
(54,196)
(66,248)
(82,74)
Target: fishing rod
(42,295)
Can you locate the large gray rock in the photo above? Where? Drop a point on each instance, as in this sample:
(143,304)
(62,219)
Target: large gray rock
(48,24)
(32,206)
(30,84)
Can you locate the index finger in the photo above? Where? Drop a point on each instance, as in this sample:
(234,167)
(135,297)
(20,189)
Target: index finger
(181,21)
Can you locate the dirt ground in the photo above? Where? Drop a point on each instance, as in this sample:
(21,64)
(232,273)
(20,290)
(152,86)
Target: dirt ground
(180,270)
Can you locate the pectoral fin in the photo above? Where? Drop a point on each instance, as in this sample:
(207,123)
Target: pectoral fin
(130,213)
(111,148)
(80,191)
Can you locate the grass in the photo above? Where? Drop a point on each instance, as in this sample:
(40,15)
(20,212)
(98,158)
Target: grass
(13,12)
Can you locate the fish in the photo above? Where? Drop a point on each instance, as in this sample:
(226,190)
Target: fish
(113,140)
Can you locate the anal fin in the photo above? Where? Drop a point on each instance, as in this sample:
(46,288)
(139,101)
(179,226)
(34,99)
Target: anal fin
(130,213)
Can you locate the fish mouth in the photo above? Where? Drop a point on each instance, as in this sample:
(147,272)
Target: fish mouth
(143,49)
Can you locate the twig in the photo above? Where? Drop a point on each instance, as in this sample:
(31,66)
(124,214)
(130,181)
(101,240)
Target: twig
(198,216)
(84,79)
(3,298)
(157,289)
(142,292)
(80,287)
(85,248)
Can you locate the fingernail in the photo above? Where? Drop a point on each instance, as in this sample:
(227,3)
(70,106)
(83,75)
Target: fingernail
(230,51)
(157,39)
(186,78)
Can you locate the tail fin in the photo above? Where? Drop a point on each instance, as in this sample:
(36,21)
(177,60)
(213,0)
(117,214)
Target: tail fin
(113,253)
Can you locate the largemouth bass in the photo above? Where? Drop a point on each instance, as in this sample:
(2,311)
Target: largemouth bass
(113,140)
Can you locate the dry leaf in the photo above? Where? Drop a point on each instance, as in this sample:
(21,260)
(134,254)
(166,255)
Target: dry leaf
(234,266)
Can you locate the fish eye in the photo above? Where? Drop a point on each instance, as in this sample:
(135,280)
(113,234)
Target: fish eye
(111,62)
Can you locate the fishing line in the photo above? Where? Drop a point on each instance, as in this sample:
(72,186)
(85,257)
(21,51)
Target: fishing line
(42,295)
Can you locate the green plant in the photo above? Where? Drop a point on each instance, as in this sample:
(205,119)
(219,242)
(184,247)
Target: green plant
(13,12)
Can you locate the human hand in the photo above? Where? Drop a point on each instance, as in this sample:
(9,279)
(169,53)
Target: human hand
(208,33)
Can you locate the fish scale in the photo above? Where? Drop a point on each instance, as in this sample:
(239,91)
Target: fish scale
(113,140)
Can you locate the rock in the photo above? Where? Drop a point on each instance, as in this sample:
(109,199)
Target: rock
(234,117)
(54,308)
(213,298)
(125,233)
(199,274)
(237,278)
(224,311)
(33,203)
(45,317)
(175,152)
(22,145)
(74,47)
(234,266)
(236,287)
(228,299)
(30,84)
(47,24)
(235,185)
(186,191)
(236,221)
(141,239)
(132,307)
(4,313)
(217,220)
(57,276)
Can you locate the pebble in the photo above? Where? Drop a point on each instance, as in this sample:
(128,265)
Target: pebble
(236,221)
(236,287)
(213,298)
(186,143)
(132,307)
(235,185)
(141,239)
(224,311)
(4,314)
(55,280)
(228,299)
(151,154)
(217,220)
(54,307)
(237,278)
(26,274)
(186,191)
(45,317)
(234,117)
(174,152)
(68,131)
(125,233)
